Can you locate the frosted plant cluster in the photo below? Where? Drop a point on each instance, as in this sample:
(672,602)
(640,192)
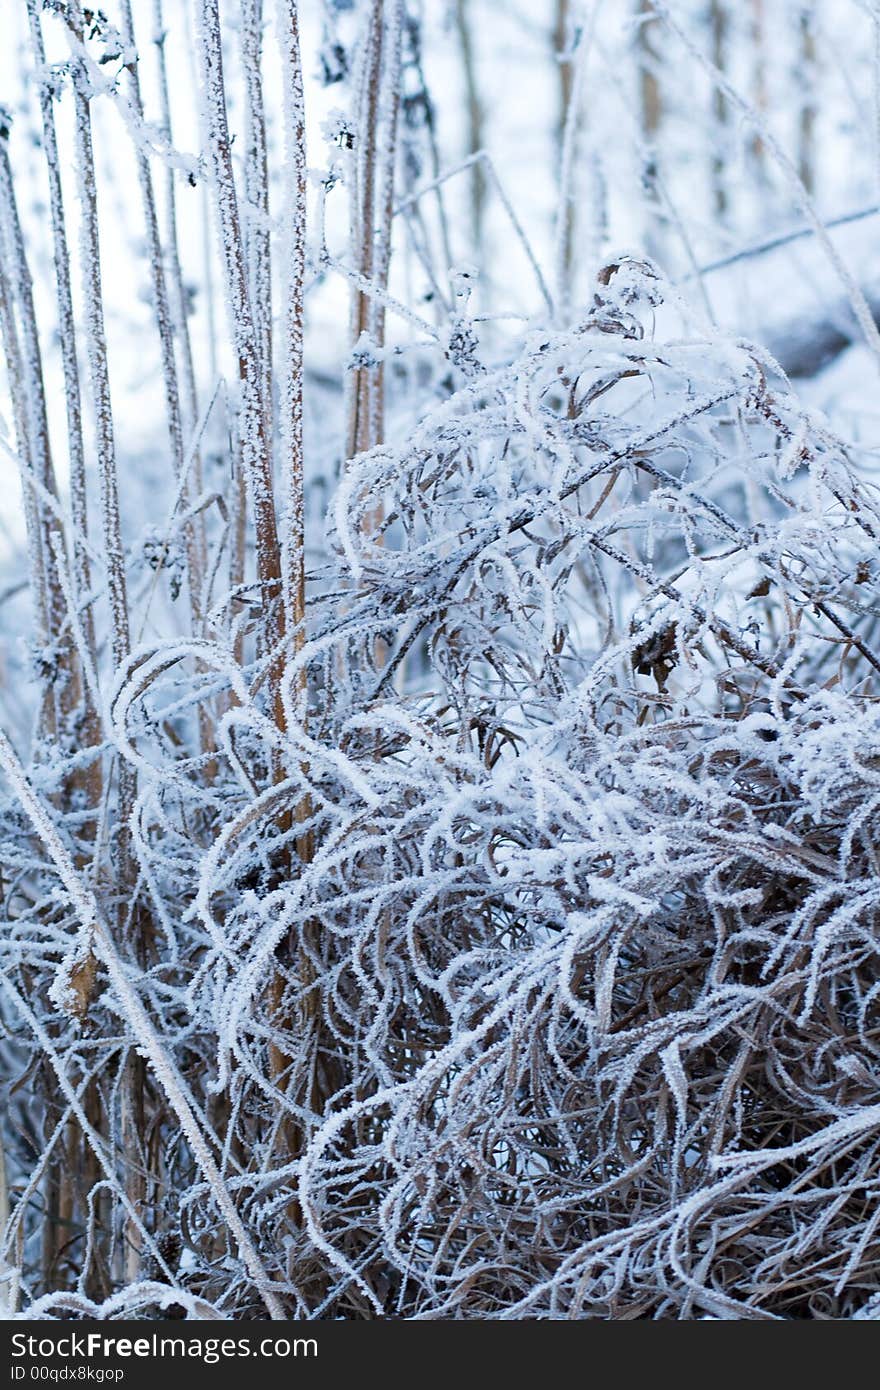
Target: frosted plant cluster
(476,915)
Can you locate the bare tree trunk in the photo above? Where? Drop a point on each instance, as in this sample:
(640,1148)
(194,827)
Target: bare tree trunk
(651,114)
(475,118)
(758,36)
(807,77)
(718,28)
(651,102)
(579,168)
(566,91)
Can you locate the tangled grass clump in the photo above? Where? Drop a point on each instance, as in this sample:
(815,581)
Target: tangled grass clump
(615,974)
(542,979)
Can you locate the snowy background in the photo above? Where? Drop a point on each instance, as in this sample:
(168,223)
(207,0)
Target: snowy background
(438,836)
